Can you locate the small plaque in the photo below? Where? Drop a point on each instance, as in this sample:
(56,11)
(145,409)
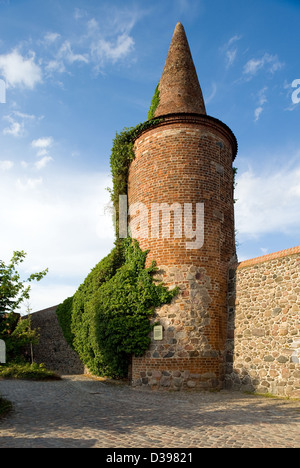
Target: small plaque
(158,333)
(2,352)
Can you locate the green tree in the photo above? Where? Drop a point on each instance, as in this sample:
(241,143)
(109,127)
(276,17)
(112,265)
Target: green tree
(16,332)
(19,338)
(13,290)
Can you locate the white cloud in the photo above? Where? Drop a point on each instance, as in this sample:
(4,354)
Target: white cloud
(42,146)
(19,70)
(28,184)
(55,66)
(43,162)
(268,202)
(51,37)
(114,50)
(6,165)
(42,152)
(16,122)
(233,39)
(42,293)
(210,97)
(79,13)
(111,41)
(61,223)
(257,113)
(16,129)
(42,143)
(262,99)
(230,50)
(98,43)
(270,62)
(188,8)
(66,53)
(231,56)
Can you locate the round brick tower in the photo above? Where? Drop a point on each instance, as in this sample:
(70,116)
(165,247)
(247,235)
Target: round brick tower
(180,198)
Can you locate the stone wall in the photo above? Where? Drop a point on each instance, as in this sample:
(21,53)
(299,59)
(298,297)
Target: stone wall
(53,350)
(263,349)
(263,346)
(185,358)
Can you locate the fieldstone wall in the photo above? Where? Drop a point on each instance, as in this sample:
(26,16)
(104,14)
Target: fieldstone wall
(53,350)
(186,357)
(263,348)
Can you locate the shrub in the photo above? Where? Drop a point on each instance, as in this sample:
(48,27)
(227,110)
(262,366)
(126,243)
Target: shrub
(17,334)
(111,311)
(108,319)
(81,320)
(64,315)
(27,371)
(121,311)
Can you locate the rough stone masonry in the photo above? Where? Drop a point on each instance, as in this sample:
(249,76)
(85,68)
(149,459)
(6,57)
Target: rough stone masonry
(263,350)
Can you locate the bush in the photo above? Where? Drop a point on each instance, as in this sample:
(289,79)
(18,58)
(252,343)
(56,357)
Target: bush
(64,315)
(81,320)
(27,371)
(108,319)
(121,311)
(17,334)
(109,315)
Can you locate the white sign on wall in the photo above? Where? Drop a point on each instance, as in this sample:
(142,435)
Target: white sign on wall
(2,352)
(158,333)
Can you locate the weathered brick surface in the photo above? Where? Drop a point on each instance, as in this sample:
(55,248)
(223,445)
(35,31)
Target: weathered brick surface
(187,159)
(264,327)
(179,85)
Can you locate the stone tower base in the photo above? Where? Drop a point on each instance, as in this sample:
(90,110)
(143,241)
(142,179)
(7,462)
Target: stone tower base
(186,357)
(181,373)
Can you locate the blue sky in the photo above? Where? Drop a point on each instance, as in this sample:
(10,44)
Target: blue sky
(75,72)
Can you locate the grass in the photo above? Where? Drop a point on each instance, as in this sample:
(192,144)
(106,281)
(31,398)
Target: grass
(271,395)
(24,371)
(27,372)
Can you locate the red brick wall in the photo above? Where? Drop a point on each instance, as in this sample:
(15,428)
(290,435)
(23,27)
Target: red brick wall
(188,159)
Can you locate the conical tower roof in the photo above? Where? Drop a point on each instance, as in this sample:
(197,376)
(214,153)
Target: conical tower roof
(179,88)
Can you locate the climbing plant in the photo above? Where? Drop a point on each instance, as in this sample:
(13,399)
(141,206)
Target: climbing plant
(81,320)
(108,318)
(114,323)
(122,154)
(154,103)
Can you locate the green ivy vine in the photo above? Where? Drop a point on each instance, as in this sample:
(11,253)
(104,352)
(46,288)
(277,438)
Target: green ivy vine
(108,318)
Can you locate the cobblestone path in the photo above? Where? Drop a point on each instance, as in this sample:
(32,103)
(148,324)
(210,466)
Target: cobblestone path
(83,412)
